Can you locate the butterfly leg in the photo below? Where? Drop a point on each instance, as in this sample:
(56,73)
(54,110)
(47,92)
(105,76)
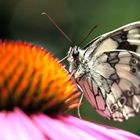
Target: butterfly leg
(79,104)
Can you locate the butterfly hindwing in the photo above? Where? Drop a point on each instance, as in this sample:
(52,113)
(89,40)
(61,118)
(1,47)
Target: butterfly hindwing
(117,74)
(94,95)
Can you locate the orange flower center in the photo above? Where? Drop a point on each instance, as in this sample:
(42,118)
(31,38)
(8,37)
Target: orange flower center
(32,79)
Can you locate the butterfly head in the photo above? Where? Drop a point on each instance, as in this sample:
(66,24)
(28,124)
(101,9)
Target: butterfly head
(73,52)
(73,58)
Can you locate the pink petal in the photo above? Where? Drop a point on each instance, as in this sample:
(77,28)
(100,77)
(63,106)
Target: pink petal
(100,132)
(16,125)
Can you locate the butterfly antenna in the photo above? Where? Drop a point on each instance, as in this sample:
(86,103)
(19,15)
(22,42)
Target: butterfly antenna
(61,31)
(88,34)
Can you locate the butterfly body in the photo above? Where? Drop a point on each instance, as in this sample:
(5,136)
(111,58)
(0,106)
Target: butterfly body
(108,72)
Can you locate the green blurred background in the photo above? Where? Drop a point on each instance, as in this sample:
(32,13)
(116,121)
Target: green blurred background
(22,20)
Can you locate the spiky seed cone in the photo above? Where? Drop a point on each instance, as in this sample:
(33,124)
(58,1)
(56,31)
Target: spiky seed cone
(32,79)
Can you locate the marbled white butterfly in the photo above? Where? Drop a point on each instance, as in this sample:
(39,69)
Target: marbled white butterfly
(108,72)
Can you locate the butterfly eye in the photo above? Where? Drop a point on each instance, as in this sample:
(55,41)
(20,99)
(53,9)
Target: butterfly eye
(114,107)
(75,52)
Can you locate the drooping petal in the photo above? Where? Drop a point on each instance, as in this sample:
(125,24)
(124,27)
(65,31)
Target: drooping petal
(100,131)
(17,125)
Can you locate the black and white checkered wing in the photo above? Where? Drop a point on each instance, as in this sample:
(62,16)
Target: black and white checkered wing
(108,72)
(114,63)
(124,38)
(117,76)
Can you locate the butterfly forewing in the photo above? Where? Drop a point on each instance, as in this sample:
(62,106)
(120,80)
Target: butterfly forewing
(126,37)
(108,72)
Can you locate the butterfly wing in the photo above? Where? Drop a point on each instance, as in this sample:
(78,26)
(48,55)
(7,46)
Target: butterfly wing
(117,76)
(126,38)
(105,73)
(93,94)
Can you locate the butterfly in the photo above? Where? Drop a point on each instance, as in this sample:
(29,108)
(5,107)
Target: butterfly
(108,72)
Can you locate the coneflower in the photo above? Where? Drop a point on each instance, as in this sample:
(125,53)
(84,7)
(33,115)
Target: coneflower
(35,90)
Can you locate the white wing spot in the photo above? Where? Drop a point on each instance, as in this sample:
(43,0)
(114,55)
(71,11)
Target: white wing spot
(108,44)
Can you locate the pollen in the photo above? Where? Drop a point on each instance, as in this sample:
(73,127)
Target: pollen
(33,80)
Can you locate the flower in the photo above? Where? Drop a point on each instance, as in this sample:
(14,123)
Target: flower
(34,91)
